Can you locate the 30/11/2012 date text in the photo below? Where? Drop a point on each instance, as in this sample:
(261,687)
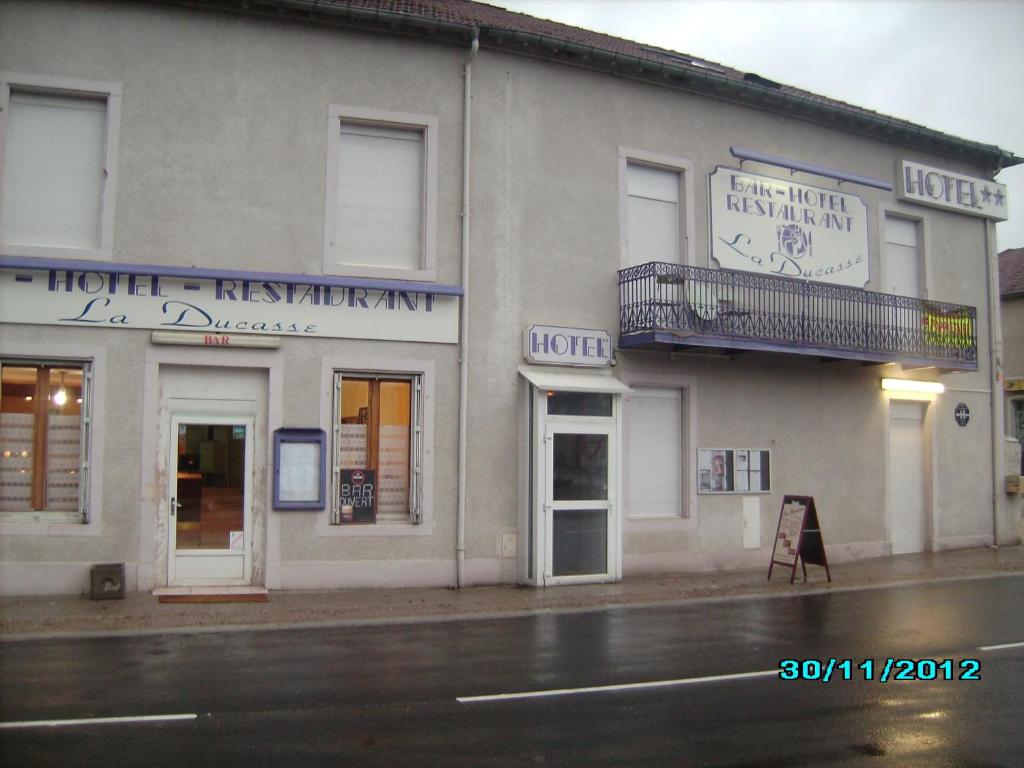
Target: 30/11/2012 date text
(882,670)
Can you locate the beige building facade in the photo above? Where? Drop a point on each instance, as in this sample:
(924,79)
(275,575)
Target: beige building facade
(336,299)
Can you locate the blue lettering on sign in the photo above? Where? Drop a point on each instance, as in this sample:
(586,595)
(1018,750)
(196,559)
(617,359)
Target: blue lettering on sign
(569,344)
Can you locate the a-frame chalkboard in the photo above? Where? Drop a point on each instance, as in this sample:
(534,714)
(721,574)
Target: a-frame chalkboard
(798,537)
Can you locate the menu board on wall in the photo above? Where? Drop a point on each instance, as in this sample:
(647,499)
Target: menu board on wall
(733,470)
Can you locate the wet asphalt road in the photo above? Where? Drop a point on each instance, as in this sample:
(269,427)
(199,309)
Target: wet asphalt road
(389,695)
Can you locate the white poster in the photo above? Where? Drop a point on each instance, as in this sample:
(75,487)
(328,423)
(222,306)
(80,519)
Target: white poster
(770,226)
(300,471)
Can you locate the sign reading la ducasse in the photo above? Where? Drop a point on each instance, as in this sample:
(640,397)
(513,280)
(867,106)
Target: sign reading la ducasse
(91,299)
(777,227)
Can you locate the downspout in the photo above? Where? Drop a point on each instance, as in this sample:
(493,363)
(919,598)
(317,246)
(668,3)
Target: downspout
(460,515)
(995,375)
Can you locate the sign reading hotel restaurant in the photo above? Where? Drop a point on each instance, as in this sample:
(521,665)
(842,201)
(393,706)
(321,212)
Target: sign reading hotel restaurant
(767,225)
(951,191)
(551,345)
(104,300)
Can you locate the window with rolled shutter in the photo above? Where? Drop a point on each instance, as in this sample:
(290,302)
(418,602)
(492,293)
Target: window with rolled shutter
(653,209)
(380,197)
(54,170)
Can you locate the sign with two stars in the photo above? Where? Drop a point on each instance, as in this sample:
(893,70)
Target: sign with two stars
(937,188)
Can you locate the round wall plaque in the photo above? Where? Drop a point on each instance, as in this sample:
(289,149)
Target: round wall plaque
(962,414)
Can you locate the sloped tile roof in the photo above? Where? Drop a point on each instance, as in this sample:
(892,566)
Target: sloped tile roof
(1011,272)
(517,31)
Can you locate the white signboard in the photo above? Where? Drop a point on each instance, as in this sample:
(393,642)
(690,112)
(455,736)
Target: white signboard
(104,300)
(551,345)
(771,226)
(300,472)
(952,191)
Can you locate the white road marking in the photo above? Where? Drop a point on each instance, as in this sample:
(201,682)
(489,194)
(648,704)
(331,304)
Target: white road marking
(608,688)
(97,721)
(1000,647)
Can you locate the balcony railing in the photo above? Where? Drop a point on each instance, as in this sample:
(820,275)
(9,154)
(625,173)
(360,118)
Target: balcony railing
(670,306)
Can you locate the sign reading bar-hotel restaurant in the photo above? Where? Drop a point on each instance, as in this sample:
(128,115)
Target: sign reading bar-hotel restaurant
(236,306)
(771,226)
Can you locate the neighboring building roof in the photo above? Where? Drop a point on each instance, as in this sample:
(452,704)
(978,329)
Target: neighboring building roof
(498,28)
(1011,272)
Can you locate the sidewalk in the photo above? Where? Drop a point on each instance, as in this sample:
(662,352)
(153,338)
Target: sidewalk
(141,613)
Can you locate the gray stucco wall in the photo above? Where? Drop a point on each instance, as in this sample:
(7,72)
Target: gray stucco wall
(222,164)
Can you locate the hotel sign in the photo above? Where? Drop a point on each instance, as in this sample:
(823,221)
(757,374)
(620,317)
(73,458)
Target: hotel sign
(951,191)
(770,226)
(551,345)
(222,306)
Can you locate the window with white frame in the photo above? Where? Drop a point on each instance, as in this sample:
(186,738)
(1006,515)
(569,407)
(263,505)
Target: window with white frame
(377,448)
(902,256)
(653,211)
(654,453)
(59,165)
(44,439)
(381,184)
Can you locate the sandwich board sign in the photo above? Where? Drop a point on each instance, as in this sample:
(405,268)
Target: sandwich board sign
(798,537)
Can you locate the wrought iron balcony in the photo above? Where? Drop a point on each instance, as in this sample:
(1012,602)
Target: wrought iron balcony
(668,306)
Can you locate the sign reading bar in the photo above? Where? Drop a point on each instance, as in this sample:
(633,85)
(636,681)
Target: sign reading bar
(762,224)
(232,307)
(358,495)
(937,188)
(798,537)
(551,345)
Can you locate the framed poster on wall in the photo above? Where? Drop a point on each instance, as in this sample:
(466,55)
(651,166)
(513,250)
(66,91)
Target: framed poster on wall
(299,468)
(733,470)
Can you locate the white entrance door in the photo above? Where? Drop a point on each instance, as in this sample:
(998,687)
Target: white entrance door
(579,505)
(905,477)
(210,492)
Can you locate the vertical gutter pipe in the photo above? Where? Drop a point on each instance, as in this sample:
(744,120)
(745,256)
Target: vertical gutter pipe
(460,515)
(995,375)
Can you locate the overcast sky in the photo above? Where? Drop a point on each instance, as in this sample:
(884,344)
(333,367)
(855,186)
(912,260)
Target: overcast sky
(953,65)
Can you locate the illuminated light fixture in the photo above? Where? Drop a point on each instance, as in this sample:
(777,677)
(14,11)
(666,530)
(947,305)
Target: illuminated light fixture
(916,387)
(79,401)
(61,395)
(28,398)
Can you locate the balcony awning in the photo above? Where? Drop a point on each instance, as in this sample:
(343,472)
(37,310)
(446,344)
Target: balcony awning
(561,380)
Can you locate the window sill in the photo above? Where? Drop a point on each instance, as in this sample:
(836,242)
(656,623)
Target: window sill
(45,524)
(658,523)
(56,252)
(385,273)
(372,530)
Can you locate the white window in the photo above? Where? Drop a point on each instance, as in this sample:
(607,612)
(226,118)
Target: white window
(45,429)
(654,453)
(653,214)
(59,166)
(377,449)
(902,257)
(380,195)
(655,220)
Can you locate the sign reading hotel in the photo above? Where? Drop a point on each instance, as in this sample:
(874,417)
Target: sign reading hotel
(767,225)
(951,191)
(104,300)
(551,345)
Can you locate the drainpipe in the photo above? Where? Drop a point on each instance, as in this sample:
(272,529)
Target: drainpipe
(460,516)
(995,375)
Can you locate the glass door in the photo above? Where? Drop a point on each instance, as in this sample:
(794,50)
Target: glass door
(579,506)
(210,501)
